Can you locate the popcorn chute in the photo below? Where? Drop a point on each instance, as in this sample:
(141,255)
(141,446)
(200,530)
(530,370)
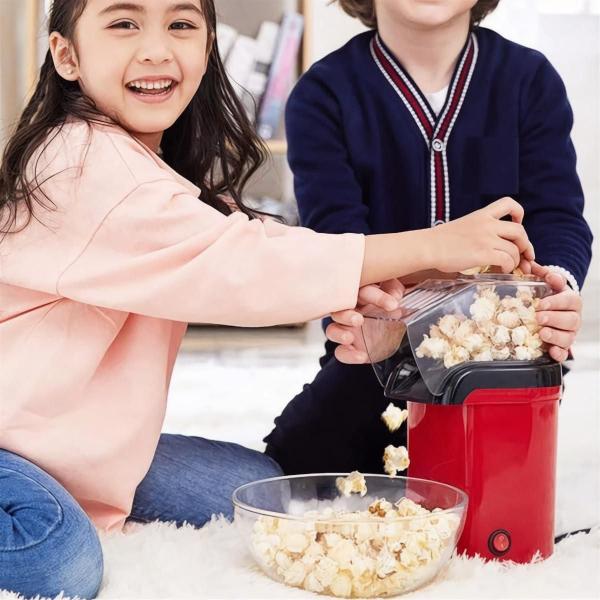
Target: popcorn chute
(482,403)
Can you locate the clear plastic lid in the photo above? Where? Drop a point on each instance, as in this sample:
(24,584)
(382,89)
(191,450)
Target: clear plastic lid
(447,323)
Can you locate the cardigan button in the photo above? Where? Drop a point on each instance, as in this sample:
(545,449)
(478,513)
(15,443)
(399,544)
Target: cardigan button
(437,145)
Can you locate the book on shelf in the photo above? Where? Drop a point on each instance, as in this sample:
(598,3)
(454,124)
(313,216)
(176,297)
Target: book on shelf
(240,63)
(266,43)
(280,74)
(261,69)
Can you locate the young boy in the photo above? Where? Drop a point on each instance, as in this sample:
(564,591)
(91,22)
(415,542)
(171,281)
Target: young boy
(424,119)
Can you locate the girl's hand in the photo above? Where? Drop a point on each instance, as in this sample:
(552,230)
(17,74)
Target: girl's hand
(560,314)
(345,330)
(482,238)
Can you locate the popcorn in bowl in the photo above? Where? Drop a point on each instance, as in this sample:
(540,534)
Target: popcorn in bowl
(352,484)
(351,546)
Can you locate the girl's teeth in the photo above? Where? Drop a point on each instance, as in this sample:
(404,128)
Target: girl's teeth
(151,85)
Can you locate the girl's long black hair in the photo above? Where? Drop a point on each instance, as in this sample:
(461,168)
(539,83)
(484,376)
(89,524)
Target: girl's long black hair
(212,144)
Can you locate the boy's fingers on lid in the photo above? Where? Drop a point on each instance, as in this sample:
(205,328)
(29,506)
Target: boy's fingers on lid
(556,281)
(347,317)
(565,300)
(374,295)
(339,334)
(394,287)
(350,356)
(558,354)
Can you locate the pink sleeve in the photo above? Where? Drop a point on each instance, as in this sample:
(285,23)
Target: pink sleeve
(161,252)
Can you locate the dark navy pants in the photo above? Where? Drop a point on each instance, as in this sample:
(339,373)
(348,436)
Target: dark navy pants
(334,424)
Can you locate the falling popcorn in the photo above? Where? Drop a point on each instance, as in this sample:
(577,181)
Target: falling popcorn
(500,329)
(395,459)
(393,417)
(404,547)
(352,484)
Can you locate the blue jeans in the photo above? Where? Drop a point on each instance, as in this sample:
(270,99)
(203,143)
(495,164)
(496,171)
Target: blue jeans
(49,545)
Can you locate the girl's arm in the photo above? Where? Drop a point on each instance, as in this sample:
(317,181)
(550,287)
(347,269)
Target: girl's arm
(481,238)
(163,253)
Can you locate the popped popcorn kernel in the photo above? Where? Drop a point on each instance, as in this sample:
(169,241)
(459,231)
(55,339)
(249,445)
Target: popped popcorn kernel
(502,353)
(509,319)
(352,484)
(433,347)
(395,459)
(482,309)
(474,342)
(501,335)
(456,356)
(485,354)
(380,507)
(448,325)
(393,417)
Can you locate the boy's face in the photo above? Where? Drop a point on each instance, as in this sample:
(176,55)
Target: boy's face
(424,14)
(141,61)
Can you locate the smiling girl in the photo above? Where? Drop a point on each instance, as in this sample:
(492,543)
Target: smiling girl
(116,234)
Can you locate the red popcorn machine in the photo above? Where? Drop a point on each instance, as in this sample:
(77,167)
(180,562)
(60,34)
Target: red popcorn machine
(483,401)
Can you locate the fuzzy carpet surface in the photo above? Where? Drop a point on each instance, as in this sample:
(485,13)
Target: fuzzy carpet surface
(235,396)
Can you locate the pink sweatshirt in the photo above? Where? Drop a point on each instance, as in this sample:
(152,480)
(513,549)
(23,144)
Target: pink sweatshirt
(94,303)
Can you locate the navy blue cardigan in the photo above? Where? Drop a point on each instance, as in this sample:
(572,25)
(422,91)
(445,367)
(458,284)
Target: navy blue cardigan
(369,156)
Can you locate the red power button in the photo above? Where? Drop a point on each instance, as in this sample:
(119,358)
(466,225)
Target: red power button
(499,542)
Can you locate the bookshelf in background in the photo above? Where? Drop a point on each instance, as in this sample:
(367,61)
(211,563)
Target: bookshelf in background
(266,45)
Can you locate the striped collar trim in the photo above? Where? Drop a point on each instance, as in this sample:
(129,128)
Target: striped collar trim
(431,127)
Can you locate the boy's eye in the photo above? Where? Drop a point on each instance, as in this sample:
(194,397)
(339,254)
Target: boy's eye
(181,25)
(123,25)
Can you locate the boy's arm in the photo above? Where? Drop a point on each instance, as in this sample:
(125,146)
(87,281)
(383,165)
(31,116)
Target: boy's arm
(550,190)
(330,198)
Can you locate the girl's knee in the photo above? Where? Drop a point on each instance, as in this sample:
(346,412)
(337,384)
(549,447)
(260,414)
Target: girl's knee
(68,561)
(83,567)
(260,466)
(47,543)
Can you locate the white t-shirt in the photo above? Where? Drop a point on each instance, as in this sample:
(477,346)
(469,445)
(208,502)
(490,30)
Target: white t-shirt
(436,100)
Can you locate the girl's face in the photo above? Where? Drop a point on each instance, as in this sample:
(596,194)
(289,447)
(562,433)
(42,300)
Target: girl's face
(424,14)
(140,61)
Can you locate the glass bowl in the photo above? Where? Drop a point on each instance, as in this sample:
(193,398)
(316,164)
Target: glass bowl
(304,533)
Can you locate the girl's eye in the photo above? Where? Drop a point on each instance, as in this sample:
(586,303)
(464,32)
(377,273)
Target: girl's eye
(123,25)
(181,25)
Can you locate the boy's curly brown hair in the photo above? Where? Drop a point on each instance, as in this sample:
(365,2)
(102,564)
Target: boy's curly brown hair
(365,10)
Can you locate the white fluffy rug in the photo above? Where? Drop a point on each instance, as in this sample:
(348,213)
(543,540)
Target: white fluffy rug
(235,396)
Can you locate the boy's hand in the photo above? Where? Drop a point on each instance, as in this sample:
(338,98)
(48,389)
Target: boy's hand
(345,330)
(560,314)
